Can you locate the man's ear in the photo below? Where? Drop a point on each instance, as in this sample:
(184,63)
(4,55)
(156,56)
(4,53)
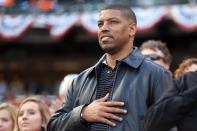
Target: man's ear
(133,29)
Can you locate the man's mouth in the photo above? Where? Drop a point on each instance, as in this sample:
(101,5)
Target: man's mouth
(106,37)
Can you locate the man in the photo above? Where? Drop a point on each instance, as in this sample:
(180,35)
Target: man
(177,107)
(115,93)
(157,51)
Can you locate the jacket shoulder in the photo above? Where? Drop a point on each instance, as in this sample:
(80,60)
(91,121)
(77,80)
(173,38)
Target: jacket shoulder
(83,75)
(153,67)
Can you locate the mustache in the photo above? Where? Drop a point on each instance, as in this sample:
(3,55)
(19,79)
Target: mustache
(106,35)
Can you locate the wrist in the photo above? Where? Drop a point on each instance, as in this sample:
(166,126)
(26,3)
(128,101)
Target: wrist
(82,115)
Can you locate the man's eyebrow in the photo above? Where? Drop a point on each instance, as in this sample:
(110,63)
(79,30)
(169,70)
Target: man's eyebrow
(99,21)
(113,18)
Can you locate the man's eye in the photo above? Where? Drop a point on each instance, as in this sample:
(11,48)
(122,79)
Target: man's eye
(99,24)
(114,22)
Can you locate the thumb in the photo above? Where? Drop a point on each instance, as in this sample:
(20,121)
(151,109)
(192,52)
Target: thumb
(104,98)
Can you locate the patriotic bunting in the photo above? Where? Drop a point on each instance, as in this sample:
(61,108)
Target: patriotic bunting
(89,22)
(61,24)
(148,18)
(14,26)
(185,16)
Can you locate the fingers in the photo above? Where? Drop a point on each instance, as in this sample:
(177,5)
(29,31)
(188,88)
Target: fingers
(111,106)
(106,121)
(114,110)
(112,117)
(104,111)
(113,103)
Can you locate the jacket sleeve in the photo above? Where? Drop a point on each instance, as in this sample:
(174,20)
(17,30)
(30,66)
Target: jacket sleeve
(67,118)
(172,107)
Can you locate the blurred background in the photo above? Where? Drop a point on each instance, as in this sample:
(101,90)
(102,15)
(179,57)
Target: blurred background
(41,41)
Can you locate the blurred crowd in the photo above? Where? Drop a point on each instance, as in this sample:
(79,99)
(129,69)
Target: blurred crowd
(15,88)
(37,6)
(31,112)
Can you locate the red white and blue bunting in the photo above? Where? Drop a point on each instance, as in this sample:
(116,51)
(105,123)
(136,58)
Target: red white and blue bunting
(14,26)
(61,24)
(148,18)
(185,16)
(89,22)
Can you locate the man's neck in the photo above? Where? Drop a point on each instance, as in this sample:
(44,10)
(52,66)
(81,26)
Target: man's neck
(111,59)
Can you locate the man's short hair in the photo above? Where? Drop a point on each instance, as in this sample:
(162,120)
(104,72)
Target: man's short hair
(126,10)
(158,45)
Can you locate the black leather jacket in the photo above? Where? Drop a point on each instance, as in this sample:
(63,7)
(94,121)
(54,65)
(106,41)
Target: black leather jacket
(138,83)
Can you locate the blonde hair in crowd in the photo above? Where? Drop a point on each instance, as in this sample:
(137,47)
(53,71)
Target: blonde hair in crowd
(43,108)
(12,110)
(184,66)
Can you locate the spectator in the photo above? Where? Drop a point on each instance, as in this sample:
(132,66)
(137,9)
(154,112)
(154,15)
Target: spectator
(187,65)
(7,117)
(65,84)
(33,115)
(157,51)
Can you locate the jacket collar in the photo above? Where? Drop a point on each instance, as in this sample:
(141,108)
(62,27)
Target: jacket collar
(134,59)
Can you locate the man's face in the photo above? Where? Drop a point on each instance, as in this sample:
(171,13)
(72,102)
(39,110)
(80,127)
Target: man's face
(114,31)
(160,56)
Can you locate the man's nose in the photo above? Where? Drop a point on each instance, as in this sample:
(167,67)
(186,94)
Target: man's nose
(105,27)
